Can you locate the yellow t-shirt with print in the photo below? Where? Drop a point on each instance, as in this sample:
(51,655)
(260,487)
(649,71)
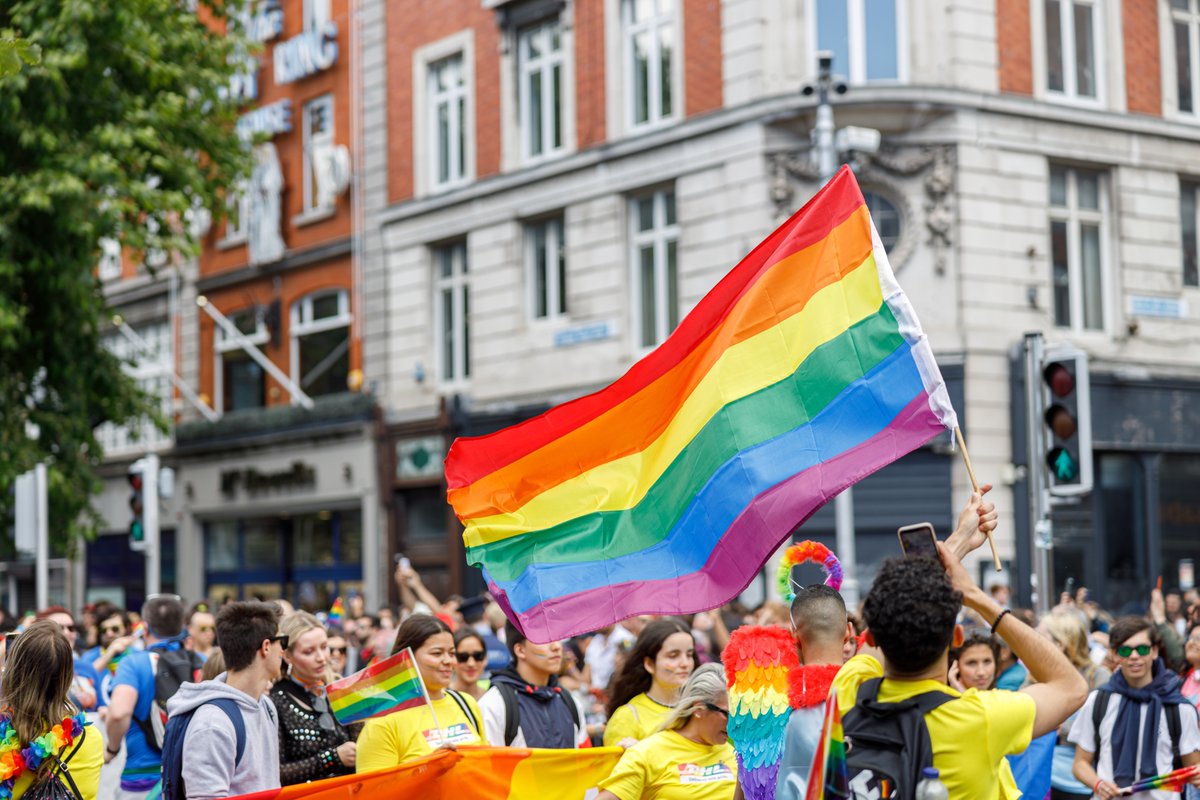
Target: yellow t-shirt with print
(668,766)
(84,766)
(637,719)
(970,735)
(412,733)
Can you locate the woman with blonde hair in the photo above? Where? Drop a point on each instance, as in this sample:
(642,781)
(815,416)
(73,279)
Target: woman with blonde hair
(43,737)
(312,743)
(690,756)
(1067,629)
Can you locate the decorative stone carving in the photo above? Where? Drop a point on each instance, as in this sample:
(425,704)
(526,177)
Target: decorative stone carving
(263,228)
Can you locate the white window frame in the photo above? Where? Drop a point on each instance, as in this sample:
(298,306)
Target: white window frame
(671,20)
(324,139)
(461,44)
(1169,17)
(1075,217)
(238,205)
(555,250)
(223,345)
(459,286)
(302,323)
(453,98)
(152,371)
(658,237)
(1100,45)
(108,268)
(1186,186)
(544,64)
(856,26)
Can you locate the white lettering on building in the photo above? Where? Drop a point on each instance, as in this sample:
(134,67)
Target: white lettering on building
(306,54)
(273,118)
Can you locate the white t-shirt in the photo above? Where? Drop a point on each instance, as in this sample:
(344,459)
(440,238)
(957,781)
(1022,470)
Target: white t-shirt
(601,654)
(1083,734)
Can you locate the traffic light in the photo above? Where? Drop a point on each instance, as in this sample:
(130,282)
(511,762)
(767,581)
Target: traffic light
(137,506)
(1066,393)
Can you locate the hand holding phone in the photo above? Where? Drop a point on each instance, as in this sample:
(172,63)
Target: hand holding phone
(918,540)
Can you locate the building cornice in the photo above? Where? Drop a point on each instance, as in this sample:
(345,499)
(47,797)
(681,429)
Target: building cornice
(293,260)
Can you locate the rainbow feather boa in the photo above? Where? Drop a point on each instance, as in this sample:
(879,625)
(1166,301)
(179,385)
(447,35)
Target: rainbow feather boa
(757,662)
(15,759)
(802,552)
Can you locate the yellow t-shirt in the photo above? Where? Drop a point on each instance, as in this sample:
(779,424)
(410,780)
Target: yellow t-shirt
(412,733)
(84,766)
(637,719)
(668,766)
(970,735)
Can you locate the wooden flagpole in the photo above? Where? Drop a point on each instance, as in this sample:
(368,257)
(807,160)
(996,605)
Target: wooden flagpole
(962,445)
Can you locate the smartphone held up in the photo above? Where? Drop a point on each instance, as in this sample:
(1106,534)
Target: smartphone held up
(918,540)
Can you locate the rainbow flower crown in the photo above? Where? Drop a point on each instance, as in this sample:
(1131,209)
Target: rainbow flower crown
(15,759)
(801,553)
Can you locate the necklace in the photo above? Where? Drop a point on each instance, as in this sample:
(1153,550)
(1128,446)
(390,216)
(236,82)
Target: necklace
(650,694)
(15,759)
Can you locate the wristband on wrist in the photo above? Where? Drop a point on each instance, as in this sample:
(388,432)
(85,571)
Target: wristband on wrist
(112,752)
(996,624)
(1096,788)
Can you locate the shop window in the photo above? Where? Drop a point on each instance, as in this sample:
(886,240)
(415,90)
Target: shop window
(1122,499)
(1179,517)
(655,237)
(241,381)
(546,267)
(321,342)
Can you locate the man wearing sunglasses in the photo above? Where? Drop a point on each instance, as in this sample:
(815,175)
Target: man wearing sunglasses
(231,715)
(1138,725)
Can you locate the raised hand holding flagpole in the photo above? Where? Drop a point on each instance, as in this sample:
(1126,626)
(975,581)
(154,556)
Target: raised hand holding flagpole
(962,445)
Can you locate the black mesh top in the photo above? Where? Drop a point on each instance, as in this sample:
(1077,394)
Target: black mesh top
(308,739)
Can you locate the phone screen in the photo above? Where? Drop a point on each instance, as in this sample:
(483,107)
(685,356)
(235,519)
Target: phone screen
(918,540)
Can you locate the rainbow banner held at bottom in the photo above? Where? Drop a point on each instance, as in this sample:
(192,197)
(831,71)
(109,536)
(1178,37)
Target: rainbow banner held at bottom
(384,687)
(829,778)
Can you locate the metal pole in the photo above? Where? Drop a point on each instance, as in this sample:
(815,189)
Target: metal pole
(234,334)
(150,523)
(183,388)
(823,147)
(1041,540)
(42,566)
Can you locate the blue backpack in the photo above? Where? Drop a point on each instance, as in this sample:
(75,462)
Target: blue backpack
(172,751)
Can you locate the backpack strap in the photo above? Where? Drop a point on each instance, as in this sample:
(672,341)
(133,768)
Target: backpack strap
(1175,729)
(512,711)
(60,766)
(570,701)
(1099,707)
(868,699)
(467,712)
(230,707)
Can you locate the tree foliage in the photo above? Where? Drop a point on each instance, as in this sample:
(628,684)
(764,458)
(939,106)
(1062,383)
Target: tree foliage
(121,130)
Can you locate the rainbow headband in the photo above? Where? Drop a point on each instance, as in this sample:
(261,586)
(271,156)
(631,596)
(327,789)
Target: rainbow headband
(804,552)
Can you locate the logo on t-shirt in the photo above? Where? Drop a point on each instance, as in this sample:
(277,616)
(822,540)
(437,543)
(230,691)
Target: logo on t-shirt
(714,773)
(455,734)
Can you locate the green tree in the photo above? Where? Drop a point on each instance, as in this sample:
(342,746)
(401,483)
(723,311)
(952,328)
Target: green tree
(121,129)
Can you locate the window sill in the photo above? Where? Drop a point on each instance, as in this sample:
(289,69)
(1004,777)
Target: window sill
(1073,101)
(229,244)
(314,216)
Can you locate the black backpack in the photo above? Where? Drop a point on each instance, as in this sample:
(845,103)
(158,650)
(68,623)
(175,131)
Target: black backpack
(887,744)
(172,751)
(512,710)
(172,669)
(57,783)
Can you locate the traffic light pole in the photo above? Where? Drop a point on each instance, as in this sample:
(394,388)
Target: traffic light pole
(150,520)
(1041,540)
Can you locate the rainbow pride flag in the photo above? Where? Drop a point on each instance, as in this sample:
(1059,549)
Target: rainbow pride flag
(829,777)
(803,371)
(383,688)
(1170,782)
(337,612)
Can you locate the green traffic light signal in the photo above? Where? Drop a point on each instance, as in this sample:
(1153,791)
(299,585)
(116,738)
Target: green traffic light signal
(137,532)
(1064,465)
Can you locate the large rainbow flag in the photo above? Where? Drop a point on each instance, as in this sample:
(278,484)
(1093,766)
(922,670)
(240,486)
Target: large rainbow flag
(803,371)
(384,687)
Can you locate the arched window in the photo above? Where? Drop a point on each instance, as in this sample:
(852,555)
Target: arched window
(321,342)
(887,218)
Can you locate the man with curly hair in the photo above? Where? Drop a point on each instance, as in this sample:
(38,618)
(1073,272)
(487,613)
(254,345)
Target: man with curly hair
(911,613)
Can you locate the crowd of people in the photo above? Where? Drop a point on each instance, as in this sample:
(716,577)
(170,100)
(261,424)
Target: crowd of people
(998,702)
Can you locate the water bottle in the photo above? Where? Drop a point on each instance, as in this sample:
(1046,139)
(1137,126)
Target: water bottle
(931,786)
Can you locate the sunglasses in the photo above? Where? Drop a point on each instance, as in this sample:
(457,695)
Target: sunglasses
(722,711)
(464,657)
(341,651)
(321,706)
(205,629)
(118,629)
(1125,651)
(282,639)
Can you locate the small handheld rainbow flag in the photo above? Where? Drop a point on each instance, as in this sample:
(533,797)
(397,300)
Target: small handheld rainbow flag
(829,777)
(337,612)
(1170,782)
(383,688)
